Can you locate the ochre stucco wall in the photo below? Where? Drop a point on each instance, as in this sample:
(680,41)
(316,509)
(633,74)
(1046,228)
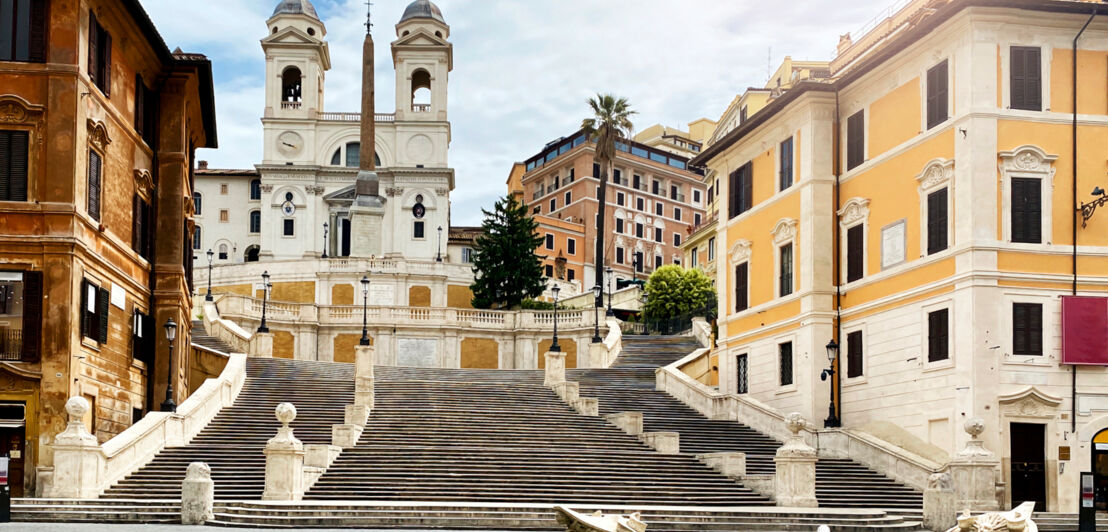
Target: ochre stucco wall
(284,345)
(239,289)
(569,347)
(419,296)
(459,296)
(344,346)
(342,294)
(480,353)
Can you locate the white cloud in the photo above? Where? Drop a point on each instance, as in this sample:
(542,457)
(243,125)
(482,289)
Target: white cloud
(522,69)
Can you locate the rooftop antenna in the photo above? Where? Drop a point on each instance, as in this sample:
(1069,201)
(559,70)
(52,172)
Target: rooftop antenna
(368,17)
(769,63)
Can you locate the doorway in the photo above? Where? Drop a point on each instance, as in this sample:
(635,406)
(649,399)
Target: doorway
(1100,470)
(12,440)
(344,250)
(1028,470)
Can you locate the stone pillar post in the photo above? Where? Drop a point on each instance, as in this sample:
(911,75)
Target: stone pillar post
(365,357)
(629,422)
(555,368)
(598,355)
(78,460)
(365,230)
(973,471)
(284,460)
(939,511)
(197,495)
(795,481)
(261,345)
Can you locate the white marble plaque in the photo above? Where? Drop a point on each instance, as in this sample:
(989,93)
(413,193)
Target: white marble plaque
(382,295)
(119,297)
(892,244)
(417,352)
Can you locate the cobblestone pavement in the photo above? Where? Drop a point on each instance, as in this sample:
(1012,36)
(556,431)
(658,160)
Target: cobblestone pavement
(104,527)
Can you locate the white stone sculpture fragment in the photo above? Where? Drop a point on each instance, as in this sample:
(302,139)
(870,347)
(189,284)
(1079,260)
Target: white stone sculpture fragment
(598,522)
(197,495)
(1019,518)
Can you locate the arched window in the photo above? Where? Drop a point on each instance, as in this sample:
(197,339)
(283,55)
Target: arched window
(223,252)
(353,157)
(196,239)
(421,90)
(251,254)
(255,221)
(197,203)
(255,189)
(290,85)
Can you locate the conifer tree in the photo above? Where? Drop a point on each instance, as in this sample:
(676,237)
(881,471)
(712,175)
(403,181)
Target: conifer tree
(505,266)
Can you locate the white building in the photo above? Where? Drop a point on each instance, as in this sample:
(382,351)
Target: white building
(303,188)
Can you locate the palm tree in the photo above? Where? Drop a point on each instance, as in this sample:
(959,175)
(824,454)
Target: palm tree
(611,121)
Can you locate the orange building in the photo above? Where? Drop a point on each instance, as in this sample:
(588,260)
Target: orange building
(96,151)
(654,200)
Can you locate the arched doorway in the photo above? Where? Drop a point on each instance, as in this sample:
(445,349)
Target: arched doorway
(251,254)
(1100,470)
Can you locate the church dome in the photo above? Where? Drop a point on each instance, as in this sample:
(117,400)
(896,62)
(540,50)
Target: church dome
(295,7)
(422,9)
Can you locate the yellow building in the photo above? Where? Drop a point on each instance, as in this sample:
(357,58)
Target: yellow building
(921,208)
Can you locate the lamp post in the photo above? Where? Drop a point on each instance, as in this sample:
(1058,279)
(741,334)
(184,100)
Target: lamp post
(208,296)
(634,266)
(438,254)
(262,328)
(832,354)
(365,305)
(325,242)
(596,315)
(554,344)
(610,276)
(1087,209)
(169,405)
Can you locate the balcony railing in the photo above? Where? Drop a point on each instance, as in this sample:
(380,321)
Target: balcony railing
(11,344)
(421,107)
(356,117)
(290,105)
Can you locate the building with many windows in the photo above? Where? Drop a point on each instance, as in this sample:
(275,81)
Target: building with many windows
(923,209)
(654,199)
(99,122)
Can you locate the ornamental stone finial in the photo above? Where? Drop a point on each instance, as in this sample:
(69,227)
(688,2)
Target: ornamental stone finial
(286,413)
(974,427)
(77,407)
(795,423)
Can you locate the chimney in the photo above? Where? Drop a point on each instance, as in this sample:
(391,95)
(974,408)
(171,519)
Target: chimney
(202,165)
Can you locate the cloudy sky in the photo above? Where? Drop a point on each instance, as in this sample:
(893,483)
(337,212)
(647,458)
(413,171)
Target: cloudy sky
(523,69)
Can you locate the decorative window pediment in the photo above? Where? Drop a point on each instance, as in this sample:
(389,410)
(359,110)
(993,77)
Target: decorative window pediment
(144,181)
(98,135)
(16,110)
(1027,159)
(740,251)
(784,231)
(855,210)
(936,174)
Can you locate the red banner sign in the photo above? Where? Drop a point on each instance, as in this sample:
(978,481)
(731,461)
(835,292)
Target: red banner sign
(1085,330)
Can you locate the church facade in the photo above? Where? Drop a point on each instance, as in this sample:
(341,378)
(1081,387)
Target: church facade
(299,201)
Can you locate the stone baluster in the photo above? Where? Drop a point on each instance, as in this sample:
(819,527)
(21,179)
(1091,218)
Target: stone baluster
(795,480)
(78,460)
(197,495)
(284,460)
(555,368)
(974,472)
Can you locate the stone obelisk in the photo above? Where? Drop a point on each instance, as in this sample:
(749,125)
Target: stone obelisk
(368,210)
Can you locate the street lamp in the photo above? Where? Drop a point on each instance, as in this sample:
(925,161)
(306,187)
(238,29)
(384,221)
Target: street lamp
(262,328)
(554,344)
(610,276)
(832,354)
(438,254)
(325,246)
(170,333)
(365,304)
(634,266)
(596,314)
(208,296)
(1087,209)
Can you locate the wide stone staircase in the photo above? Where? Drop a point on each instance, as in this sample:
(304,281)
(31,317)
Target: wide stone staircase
(629,385)
(503,437)
(199,336)
(232,443)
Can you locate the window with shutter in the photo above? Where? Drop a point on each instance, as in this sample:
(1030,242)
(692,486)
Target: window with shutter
(99,55)
(742,281)
(94,175)
(23,30)
(854,354)
(938,336)
(741,368)
(785,363)
(102,308)
(138,225)
(87,294)
(32,316)
(1027,329)
(855,242)
(786,164)
(936,221)
(785,277)
(140,105)
(1026,204)
(855,140)
(13,165)
(1025,79)
(937,95)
